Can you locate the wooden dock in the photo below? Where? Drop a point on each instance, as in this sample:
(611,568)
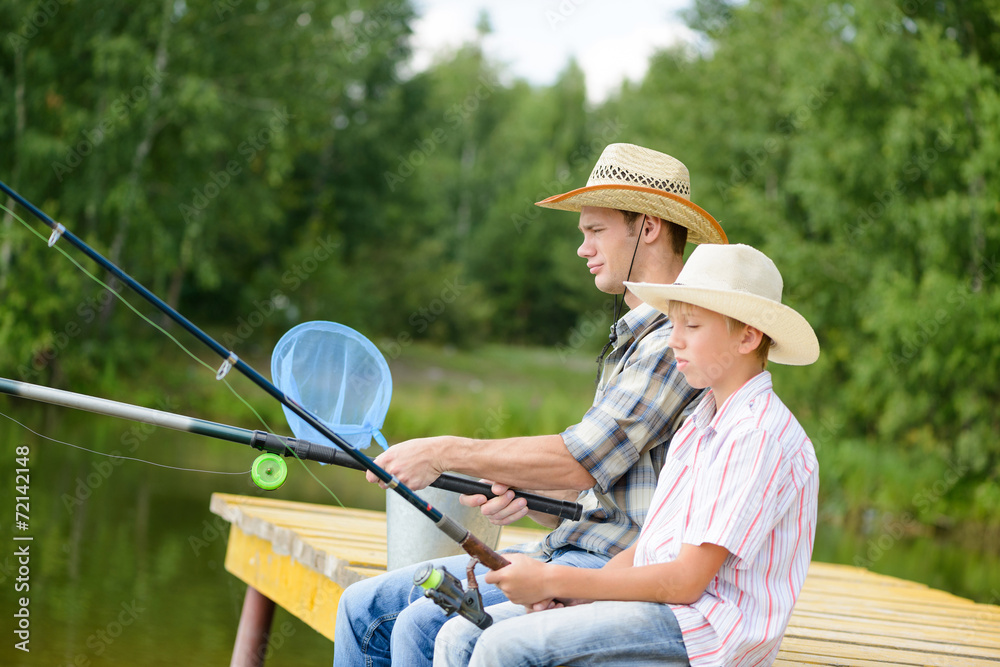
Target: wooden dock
(301,556)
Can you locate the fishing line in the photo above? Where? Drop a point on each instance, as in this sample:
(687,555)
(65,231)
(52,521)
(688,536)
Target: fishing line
(118,456)
(134,310)
(171,337)
(474,546)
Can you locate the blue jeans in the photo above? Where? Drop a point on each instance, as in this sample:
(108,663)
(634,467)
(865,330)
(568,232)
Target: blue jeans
(386,620)
(600,633)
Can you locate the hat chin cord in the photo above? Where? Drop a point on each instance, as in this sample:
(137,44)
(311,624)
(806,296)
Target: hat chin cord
(613,336)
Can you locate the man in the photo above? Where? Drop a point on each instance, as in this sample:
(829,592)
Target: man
(635,215)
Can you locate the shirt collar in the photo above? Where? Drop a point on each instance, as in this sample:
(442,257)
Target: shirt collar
(705,415)
(631,325)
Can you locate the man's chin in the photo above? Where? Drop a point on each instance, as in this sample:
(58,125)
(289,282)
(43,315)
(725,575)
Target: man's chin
(610,289)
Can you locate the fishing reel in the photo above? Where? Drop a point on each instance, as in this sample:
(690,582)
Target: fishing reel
(269,471)
(446,591)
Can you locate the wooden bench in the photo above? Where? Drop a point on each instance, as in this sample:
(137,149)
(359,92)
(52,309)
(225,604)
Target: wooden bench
(301,556)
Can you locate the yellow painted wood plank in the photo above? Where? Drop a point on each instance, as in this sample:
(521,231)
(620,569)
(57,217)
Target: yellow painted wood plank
(845,615)
(970,619)
(294,505)
(793,658)
(802,621)
(852,651)
(970,622)
(304,592)
(854,573)
(860,591)
(348,524)
(881,641)
(510,536)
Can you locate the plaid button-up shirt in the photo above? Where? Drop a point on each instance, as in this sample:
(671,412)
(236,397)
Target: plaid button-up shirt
(623,439)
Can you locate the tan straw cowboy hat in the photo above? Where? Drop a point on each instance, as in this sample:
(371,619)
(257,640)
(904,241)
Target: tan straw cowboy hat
(741,282)
(633,178)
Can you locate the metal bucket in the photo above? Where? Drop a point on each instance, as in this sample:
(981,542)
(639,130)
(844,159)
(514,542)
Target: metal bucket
(413,538)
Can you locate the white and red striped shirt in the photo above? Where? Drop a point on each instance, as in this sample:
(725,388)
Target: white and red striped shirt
(745,478)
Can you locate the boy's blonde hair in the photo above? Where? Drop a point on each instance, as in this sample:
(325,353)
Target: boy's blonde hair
(680,308)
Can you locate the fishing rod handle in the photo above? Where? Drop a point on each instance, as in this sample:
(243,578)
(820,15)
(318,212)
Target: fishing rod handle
(473,546)
(312,451)
(476,548)
(537,503)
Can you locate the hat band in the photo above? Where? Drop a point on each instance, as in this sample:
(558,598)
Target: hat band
(614,173)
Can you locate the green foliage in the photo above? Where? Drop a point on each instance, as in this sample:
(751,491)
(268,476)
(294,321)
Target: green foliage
(855,145)
(261,164)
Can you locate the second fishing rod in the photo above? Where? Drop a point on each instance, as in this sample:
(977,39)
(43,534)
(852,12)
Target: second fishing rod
(260,440)
(469,542)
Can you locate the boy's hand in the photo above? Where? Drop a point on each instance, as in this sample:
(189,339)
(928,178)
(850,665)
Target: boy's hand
(555,604)
(524,581)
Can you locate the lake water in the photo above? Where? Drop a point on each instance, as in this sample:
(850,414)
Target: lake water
(126,561)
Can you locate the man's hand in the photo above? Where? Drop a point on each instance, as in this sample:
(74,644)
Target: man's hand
(530,462)
(416,463)
(502,510)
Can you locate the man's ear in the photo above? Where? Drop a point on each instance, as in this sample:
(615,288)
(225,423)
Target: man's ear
(652,228)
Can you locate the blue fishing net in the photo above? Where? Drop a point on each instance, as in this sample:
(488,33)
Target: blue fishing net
(339,376)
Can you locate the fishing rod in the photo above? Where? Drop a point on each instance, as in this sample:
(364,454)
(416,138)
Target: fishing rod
(268,473)
(469,542)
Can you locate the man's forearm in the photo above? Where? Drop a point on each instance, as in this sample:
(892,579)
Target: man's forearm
(534,462)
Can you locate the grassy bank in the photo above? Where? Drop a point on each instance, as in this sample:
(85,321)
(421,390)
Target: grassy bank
(880,508)
(497,391)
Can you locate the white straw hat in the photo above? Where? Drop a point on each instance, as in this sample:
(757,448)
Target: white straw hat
(741,282)
(633,178)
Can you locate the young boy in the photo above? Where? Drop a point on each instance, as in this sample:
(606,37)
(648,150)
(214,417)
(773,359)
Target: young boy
(727,541)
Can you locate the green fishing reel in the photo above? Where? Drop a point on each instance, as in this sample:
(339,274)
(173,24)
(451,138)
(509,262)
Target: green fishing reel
(446,591)
(269,471)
